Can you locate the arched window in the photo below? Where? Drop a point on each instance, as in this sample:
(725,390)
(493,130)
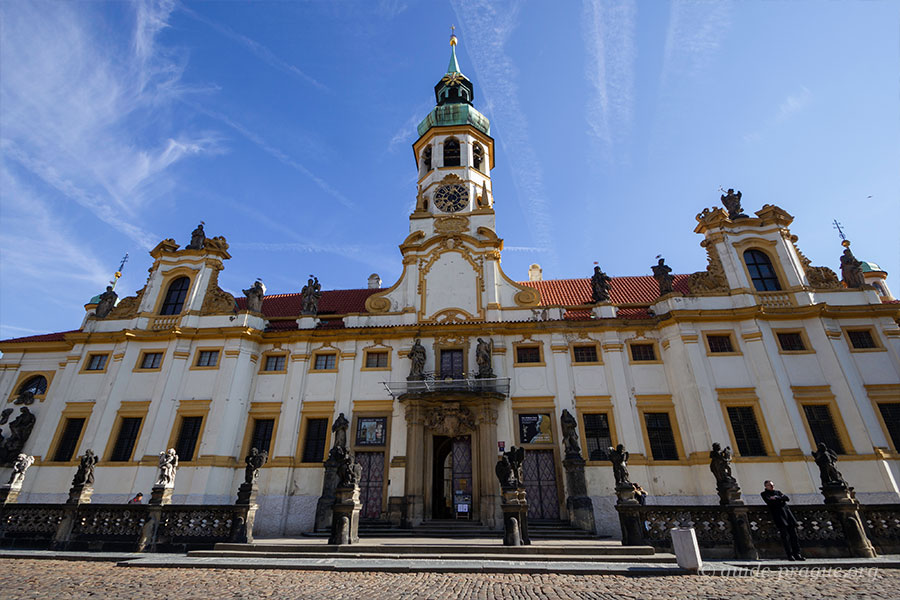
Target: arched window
(477,157)
(426,159)
(174,301)
(761,272)
(36,386)
(451,153)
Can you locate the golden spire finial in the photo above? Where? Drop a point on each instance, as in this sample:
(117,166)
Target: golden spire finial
(453,35)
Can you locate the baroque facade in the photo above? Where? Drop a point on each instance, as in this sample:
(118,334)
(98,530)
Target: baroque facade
(455,361)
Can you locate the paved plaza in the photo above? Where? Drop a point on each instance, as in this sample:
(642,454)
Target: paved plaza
(50,579)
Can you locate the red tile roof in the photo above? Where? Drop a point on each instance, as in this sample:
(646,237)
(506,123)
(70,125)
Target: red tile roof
(624,290)
(44,337)
(335,302)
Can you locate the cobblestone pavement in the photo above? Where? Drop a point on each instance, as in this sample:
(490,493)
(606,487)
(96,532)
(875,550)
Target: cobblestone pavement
(47,579)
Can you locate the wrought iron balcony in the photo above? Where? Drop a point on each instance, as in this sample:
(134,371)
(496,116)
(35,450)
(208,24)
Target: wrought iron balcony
(433,383)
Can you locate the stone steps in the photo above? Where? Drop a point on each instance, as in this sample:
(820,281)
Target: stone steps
(593,551)
(498,554)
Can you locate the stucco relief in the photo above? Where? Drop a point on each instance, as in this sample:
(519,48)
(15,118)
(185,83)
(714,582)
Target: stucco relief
(450,420)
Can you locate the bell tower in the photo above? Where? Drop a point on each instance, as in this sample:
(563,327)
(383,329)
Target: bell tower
(454,156)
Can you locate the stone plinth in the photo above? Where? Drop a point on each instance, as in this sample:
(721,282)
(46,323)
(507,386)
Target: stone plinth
(686,548)
(9,494)
(161,495)
(837,494)
(729,495)
(345,516)
(579,506)
(80,494)
(625,494)
(514,507)
(326,500)
(247,494)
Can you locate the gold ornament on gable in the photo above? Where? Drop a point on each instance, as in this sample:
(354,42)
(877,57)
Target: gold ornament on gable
(217,301)
(713,279)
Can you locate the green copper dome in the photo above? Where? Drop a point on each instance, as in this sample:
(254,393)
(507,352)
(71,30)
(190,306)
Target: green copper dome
(455,114)
(868,267)
(454,94)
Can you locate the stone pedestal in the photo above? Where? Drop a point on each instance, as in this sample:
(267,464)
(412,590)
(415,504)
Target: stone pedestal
(837,494)
(80,494)
(161,495)
(247,494)
(514,507)
(326,500)
(686,548)
(9,494)
(625,495)
(345,516)
(740,533)
(578,504)
(242,526)
(840,498)
(730,494)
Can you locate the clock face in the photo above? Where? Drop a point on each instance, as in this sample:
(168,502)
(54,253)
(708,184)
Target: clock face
(452,198)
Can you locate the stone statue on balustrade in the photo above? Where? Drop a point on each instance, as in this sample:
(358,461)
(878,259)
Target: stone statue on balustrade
(732,202)
(198,238)
(601,283)
(339,431)
(570,434)
(106,303)
(84,475)
(254,461)
(662,273)
(726,485)
(255,294)
(21,464)
(168,465)
(619,458)
(826,460)
(483,353)
(19,432)
(851,269)
(310,296)
(417,360)
(505,473)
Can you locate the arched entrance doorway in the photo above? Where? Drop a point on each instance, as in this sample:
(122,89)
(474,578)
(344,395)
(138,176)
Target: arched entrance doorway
(451,477)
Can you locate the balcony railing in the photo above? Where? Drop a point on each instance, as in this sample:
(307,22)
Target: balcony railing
(434,383)
(775,299)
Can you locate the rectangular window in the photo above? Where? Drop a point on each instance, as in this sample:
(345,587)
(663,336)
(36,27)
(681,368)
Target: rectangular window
(262,434)
(370,431)
(97,362)
(747,436)
(791,341)
(452,364)
(69,441)
(314,445)
(376,360)
(890,413)
(861,339)
(719,343)
(597,436)
(126,439)
(662,440)
(642,352)
(274,363)
(187,437)
(325,362)
(208,358)
(821,424)
(151,360)
(528,354)
(585,354)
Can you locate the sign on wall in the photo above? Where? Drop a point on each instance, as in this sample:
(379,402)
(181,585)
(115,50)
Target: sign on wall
(370,431)
(535,429)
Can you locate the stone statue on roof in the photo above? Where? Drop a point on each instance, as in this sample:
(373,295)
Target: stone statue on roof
(198,238)
(601,283)
(732,202)
(851,270)
(662,273)
(106,303)
(310,296)
(255,296)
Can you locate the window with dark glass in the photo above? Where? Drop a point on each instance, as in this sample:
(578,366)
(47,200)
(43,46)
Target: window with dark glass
(791,341)
(174,300)
(97,362)
(597,436)
(761,272)
(314,444)
(662,440)
(747,436)
(528,354)
(262,434)
(890,413)
(208,358)
(325,362)
(36,385)
(821,424)
(585,354)
(452,363)
(377,360)
(274,363)
(426,158)
(451,153)
(643,352)
(861,339)
(719,343)
(477,156)
(125,440)
(187,437)
(69,441)
(151,360)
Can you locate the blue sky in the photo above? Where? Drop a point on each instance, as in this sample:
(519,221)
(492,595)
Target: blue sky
(287,127)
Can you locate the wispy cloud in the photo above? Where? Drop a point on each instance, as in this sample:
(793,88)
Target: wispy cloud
(794,103)
(256,48)
(608,29)
(407,132)
(488,26)
(273,151)
(696,29)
